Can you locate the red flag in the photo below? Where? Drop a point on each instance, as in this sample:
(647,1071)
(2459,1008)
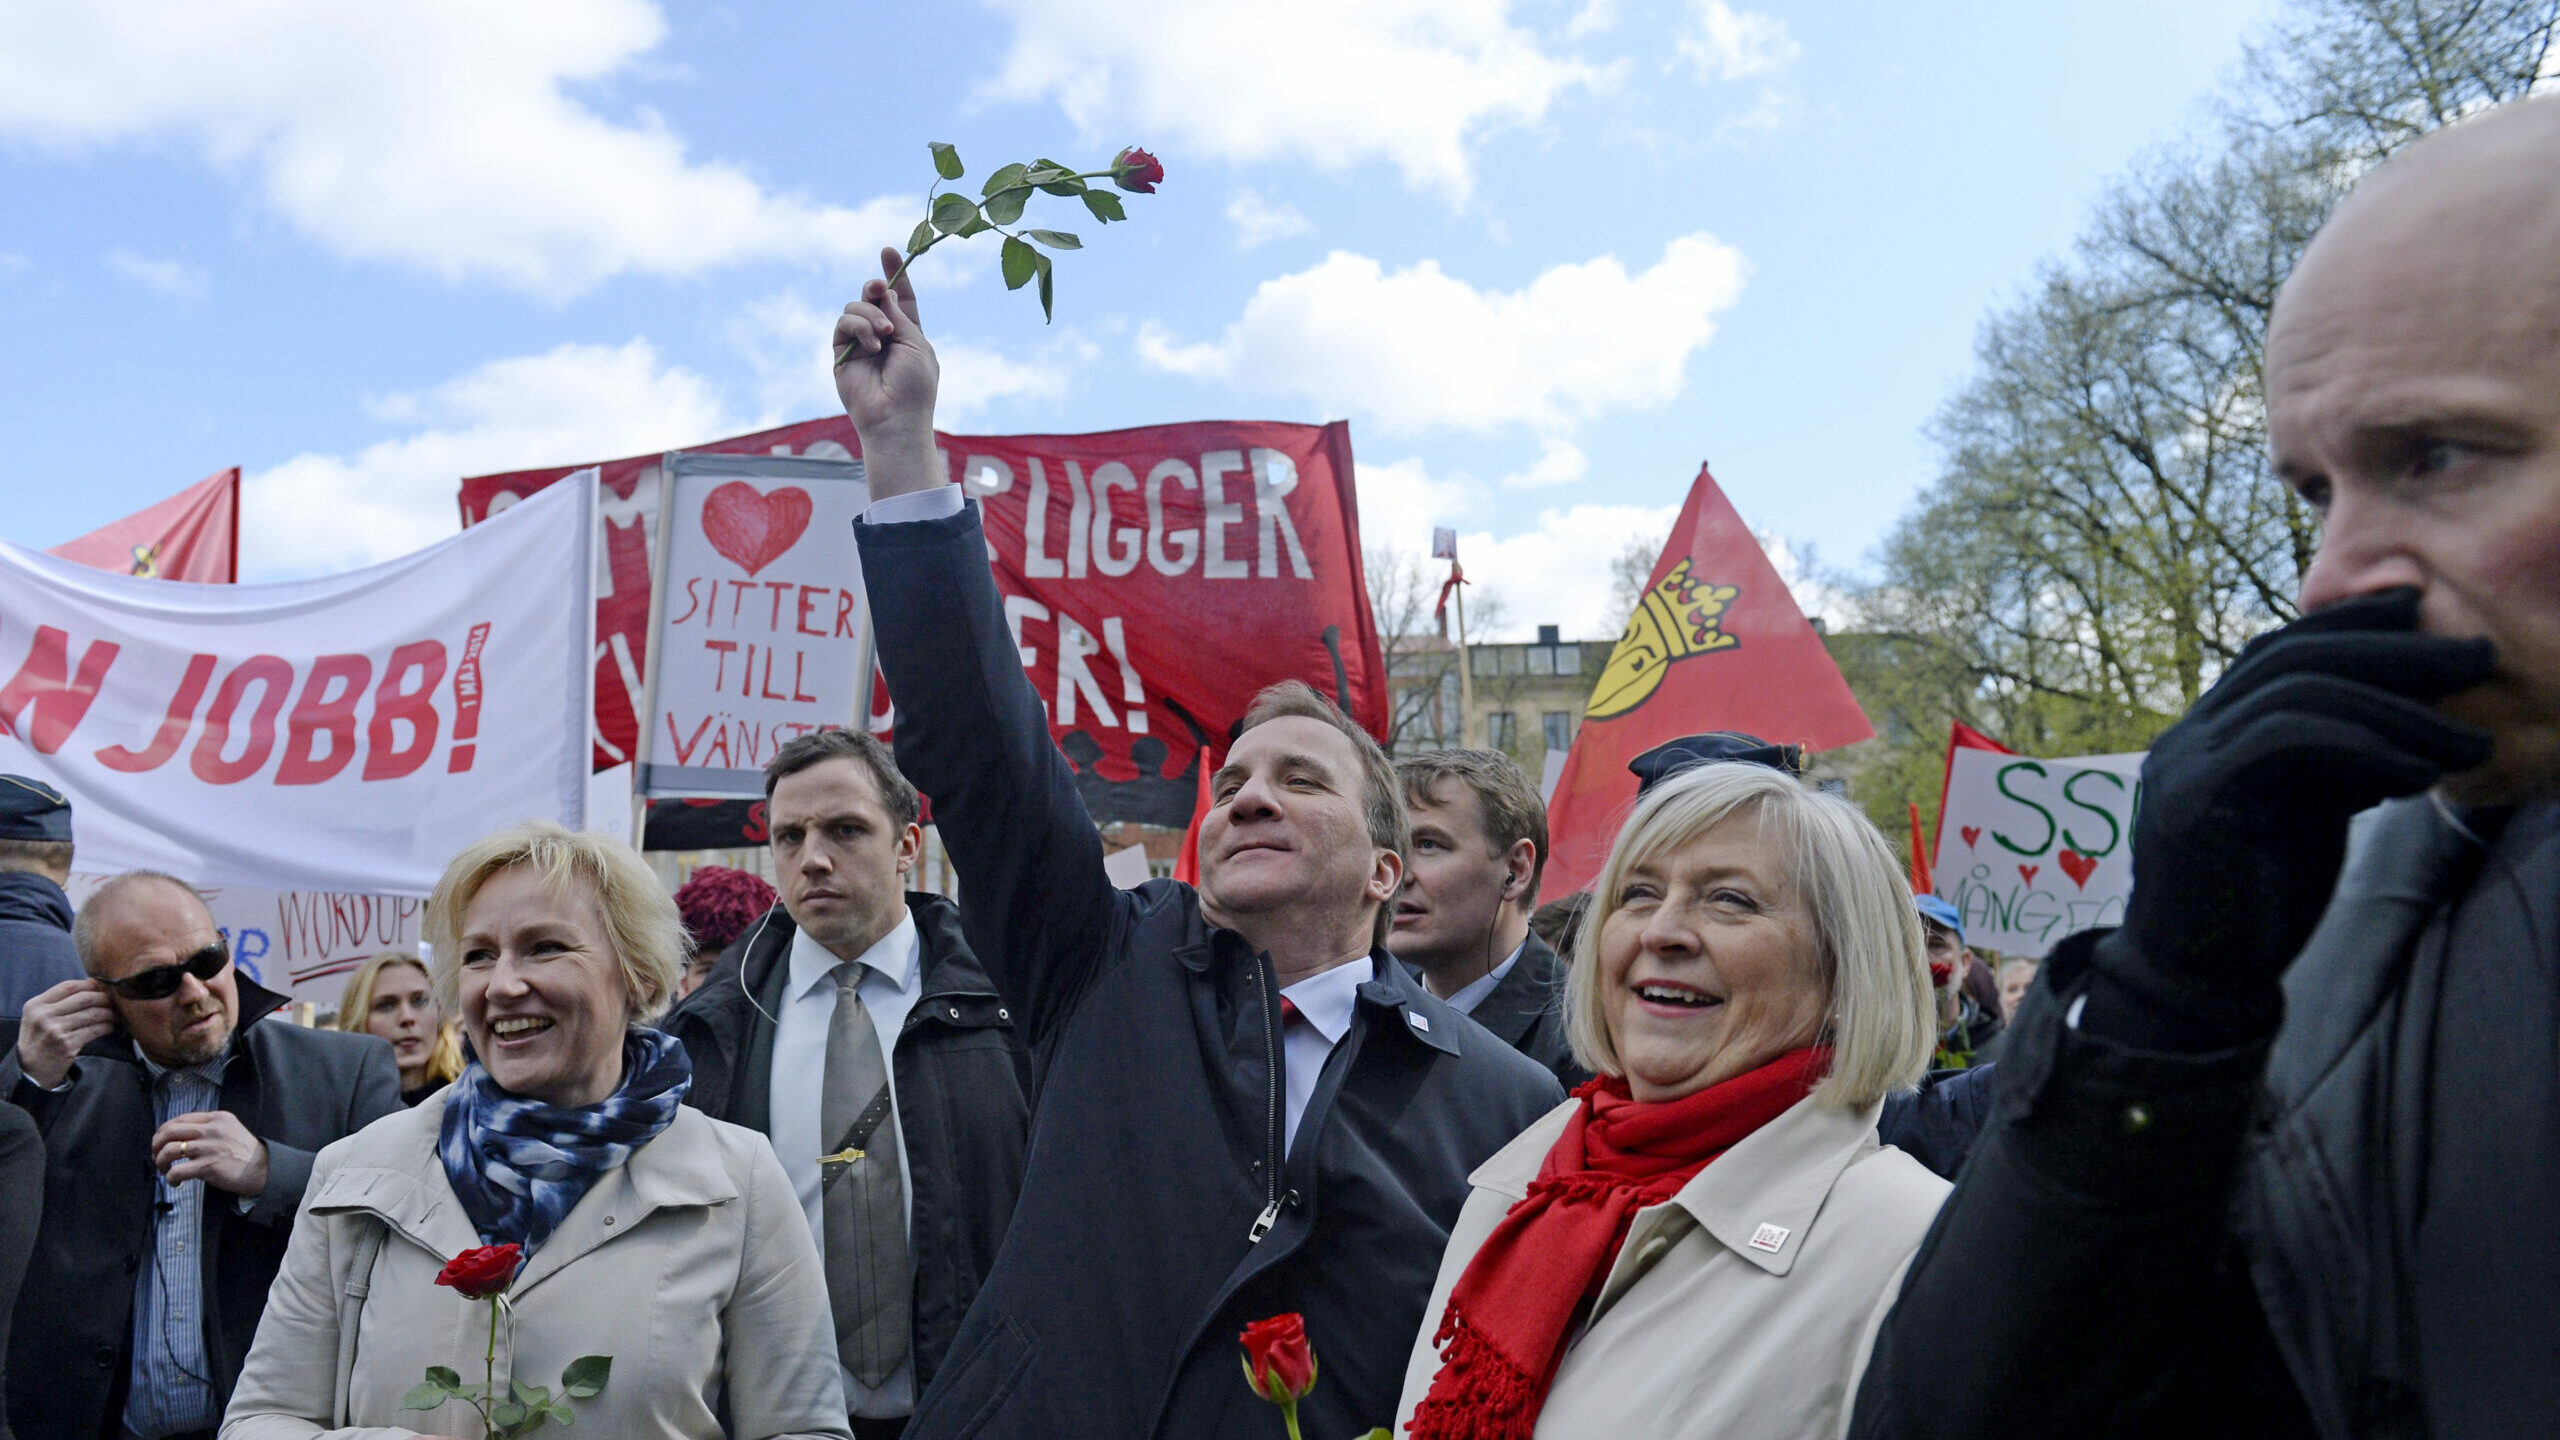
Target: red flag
(1186,866)
(1922,882)
(1960,736)
(192,535)
(1717,643)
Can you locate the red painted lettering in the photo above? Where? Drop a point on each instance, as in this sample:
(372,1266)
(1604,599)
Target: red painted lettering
(684,747)
(173,726)
(44,683)
(808,593)
(322,711)
(844,616)
(275,674)
(396,704)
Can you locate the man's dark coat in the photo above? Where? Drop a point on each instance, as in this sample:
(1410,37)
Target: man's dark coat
(21,1210)
(35,939)
(2348,1228)
(1526,1011)
(1159,1216)
(964,1107)
(71,1346)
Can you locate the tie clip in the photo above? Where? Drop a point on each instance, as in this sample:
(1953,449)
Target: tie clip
(845,1156)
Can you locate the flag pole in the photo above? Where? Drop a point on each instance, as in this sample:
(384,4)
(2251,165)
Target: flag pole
(1466,674)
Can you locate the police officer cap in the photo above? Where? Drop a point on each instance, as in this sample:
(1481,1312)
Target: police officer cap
(1671,757)
(32,810)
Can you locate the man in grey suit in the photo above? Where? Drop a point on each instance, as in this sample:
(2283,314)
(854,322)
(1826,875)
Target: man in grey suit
(179,1129)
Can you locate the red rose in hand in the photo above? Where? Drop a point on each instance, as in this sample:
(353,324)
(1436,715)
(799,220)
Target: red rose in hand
(486,1271)
(1138,172)
(1277,1358)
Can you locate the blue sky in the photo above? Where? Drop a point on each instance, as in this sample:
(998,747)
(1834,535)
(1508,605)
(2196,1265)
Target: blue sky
(1545,257)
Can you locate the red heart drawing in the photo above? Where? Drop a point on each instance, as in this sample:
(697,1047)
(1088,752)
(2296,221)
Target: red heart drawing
(2078,866)
(2028,873)
(754,529)
(1971,834)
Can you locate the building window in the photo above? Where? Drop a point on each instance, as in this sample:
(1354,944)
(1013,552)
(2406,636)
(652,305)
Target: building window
(1542,660)
(1559,725)
(1569,659)
(1488,659)
(1502,729)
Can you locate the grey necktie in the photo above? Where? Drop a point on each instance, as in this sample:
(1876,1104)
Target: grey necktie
(870,1275)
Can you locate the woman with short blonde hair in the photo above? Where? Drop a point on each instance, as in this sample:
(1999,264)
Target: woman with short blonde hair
(1750,984)
(392,996)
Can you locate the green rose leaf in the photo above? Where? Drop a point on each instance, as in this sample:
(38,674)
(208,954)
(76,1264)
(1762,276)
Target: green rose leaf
(444,1375)
(560,1412)
(951,212)
(1055,239)
(506,1415)
(1047,296)
(1006,208)
(977,226)
(1104,205)
(535,1397)
(1055,178)
(1008,178)
(1020,261)
(946,161)
(424,1397)
(585,1377)
(922,237)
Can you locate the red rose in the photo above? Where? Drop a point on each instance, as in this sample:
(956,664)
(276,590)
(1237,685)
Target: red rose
(1137,171)
(486,1271)
(1277,1360)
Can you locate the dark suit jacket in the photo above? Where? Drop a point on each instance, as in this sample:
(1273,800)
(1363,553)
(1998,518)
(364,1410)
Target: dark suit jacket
(1527,1011)
(1159,1214)
(21,1210)
(71,1346)
(35,939)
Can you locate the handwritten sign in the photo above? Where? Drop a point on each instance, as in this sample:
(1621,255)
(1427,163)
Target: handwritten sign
(2032,850)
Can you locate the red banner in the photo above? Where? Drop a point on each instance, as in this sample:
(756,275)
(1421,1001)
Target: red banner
(192,535)
(1155,579)
(1716,643)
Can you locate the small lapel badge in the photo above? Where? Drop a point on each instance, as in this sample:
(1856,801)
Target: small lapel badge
(1420,1021)
(1771,1238)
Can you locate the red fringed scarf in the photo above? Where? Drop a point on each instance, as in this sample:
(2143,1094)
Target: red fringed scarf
(1503,1334)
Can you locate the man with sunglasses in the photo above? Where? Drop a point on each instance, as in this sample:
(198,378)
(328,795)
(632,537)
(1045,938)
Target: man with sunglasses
(179,1132)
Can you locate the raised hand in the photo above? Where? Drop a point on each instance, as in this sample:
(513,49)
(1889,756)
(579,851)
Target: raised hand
(887,375)
(58,1024)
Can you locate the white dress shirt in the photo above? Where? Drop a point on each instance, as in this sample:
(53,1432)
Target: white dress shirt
(933,504)
(894,978)
(1325,1003)
(1472,994)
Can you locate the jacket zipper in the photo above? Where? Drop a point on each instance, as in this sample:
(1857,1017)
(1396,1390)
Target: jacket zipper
(1272,1138)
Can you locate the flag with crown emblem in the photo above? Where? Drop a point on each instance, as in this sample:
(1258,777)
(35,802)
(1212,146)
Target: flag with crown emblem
(1715,643)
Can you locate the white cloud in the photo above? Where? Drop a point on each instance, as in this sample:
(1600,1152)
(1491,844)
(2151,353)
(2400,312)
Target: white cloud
(1729,44)
(975,377)
(169,277)
(1259,221)
(1595,17)
(315,514)
(1401,501)
(1559,462)
(1555,572)
(437,134)
(1418,348)
(1334,82)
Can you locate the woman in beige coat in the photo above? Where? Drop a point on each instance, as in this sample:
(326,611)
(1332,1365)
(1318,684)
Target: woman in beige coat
(1702,1242)
(652,1234)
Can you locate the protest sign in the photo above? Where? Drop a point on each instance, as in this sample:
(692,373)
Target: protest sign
(761,629)
(2031,850)
(1155,579)
(346,734)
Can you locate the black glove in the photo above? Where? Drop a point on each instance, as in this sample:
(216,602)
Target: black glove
(2245,804)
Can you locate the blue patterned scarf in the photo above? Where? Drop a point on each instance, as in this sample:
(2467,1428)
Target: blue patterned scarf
(519,1165)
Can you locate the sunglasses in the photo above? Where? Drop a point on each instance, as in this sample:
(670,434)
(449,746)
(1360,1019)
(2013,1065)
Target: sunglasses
(162,981)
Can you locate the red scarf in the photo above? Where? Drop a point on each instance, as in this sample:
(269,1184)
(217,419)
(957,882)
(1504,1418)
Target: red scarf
(1503,1333)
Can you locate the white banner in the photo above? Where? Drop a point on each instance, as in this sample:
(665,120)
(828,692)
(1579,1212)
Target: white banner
(344,734)
(762,628)
(2032,850)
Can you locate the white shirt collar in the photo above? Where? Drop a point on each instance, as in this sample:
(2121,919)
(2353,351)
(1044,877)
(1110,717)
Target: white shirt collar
(895,958)
(1472,994)
(1325,1001)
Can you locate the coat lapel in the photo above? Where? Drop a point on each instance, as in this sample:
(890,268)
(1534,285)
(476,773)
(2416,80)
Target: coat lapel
(677,1170)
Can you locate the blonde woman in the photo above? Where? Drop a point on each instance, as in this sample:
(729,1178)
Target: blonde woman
(649,1232)
(392,996)
(1750,985)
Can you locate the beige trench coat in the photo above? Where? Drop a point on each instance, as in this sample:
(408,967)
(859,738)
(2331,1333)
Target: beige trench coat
(1698,1331)
(691,1265)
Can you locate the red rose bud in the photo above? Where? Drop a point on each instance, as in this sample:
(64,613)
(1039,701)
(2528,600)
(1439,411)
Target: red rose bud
(1137,171)
(1277,1359)
(482,1272)
(1941,971)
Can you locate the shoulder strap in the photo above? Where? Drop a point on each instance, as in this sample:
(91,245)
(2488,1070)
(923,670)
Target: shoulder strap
(359,1283)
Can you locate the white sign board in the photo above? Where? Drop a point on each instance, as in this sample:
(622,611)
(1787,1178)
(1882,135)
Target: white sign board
(346,734)
(762,631)
(2032,850)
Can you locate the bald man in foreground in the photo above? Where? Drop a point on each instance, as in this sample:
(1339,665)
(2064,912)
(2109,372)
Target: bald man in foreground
(2281,1156)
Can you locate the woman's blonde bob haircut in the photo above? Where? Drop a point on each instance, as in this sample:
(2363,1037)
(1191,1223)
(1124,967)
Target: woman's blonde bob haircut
(1881,1020)
(640,917)
(355,1012)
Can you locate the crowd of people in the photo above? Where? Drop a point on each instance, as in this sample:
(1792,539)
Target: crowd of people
(1743,1143)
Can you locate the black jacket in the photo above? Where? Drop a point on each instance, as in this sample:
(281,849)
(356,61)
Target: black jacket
(71,1345)
(2350,1227)
(1938,1123)
(35,939)
(964,1107)
(21,1210)
(1159,1216)
(1526,1012)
